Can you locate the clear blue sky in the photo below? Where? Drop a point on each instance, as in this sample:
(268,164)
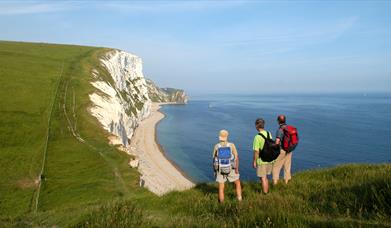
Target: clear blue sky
(226,46)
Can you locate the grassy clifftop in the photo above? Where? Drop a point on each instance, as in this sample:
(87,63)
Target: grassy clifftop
(44,99)
(345,196)
(43,115)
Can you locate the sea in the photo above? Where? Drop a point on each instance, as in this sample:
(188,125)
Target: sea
(334,129)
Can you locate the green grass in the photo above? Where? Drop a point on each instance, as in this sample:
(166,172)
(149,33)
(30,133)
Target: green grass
(345,196)
(89,184)
(32,91)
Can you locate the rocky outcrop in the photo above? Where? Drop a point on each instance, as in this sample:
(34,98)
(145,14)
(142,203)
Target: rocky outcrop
(134,163)
(166,94)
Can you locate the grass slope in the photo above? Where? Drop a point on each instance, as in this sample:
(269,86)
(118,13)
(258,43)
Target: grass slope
(44,98)
(86,183)
(345,196)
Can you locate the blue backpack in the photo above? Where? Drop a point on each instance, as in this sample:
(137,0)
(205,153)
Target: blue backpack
(225,159)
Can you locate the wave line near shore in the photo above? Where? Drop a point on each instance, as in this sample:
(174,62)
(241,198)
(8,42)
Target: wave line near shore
(158,174)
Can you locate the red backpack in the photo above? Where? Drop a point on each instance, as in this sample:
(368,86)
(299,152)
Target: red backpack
(291,138)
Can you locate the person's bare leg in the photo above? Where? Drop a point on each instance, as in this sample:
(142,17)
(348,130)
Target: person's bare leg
(221,192)
(265,184)
(277,167)
(287,167)
(238,190)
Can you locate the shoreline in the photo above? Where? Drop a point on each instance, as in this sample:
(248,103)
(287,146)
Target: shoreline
(158,173)
(161,149)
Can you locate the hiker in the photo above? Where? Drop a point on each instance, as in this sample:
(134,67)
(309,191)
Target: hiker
(287,138)
(263,167)
(226,165)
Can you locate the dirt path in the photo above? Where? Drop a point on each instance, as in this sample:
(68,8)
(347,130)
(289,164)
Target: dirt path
(38,192)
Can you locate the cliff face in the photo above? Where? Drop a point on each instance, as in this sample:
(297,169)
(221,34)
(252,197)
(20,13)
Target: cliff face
(122,97)
(166,94)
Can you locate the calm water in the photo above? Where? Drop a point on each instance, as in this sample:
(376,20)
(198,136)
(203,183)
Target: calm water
(333,129)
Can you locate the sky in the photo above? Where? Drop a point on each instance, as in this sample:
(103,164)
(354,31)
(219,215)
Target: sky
(235,47)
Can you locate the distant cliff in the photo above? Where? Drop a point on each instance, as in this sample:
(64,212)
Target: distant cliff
(123,96)
(166,94)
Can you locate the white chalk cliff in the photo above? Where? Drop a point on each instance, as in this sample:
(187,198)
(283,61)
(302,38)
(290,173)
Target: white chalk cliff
(121,100)
(123,97)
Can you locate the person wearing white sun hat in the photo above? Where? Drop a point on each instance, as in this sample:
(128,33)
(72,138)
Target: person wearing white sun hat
(226,165)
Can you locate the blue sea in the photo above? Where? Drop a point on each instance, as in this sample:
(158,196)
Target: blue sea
(333,129)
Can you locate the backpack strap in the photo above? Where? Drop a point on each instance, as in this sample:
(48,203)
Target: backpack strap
(283,128)
(230,148)
(262,136)
(219,145)
(217,151)
(268,135)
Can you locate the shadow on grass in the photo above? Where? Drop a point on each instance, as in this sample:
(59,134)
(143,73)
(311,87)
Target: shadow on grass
(253,187)
(212,188)
(207,188)
(249,189)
